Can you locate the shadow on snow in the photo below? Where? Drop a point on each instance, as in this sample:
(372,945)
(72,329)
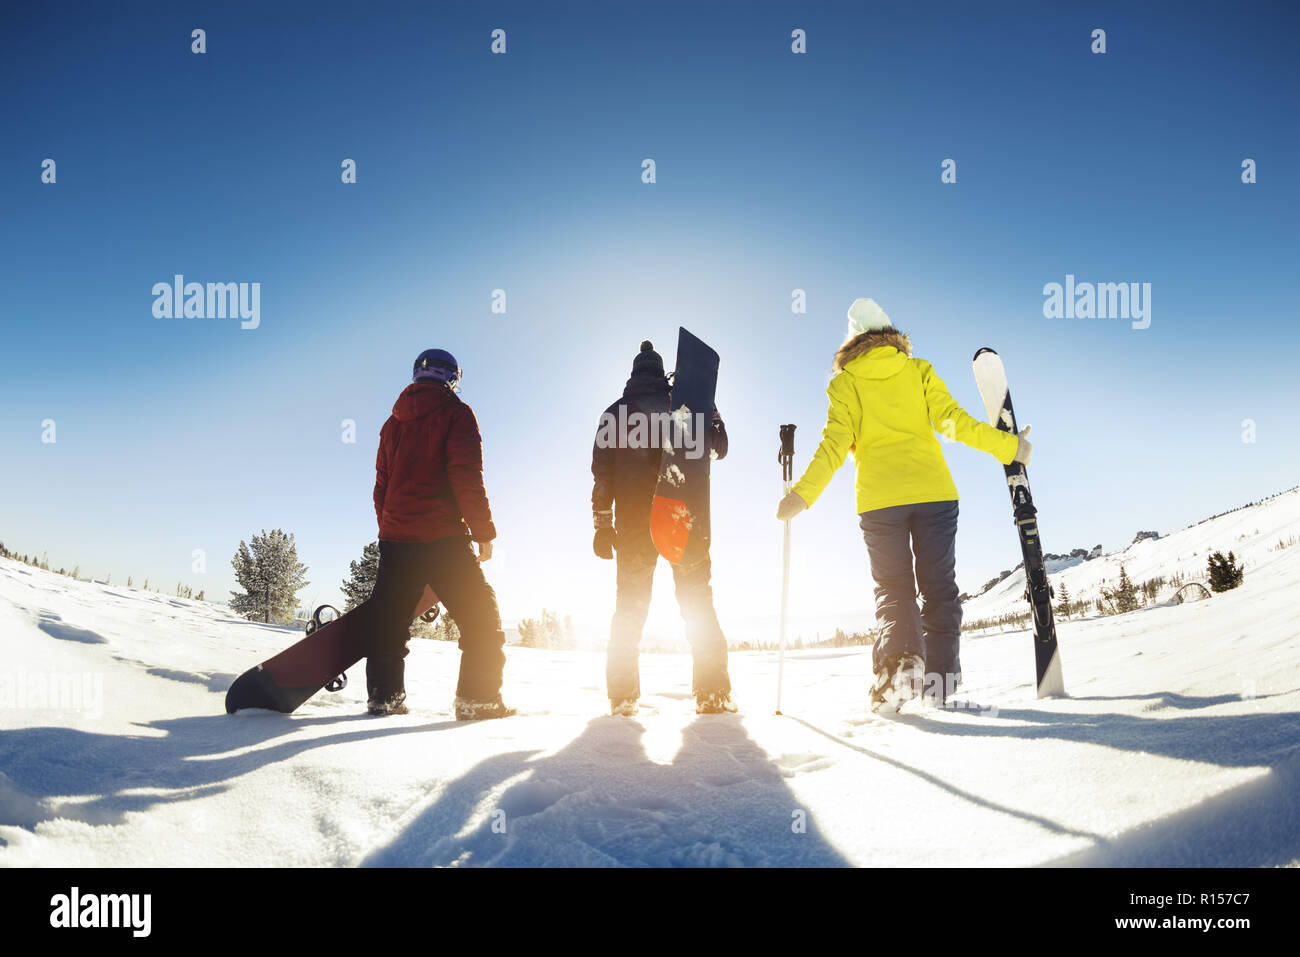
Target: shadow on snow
(602,802)
(40,766)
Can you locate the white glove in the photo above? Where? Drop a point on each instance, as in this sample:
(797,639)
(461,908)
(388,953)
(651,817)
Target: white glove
(790,506)
(1024,448)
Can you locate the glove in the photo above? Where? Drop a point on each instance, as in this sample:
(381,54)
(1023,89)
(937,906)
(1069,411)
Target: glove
(790,506)
(603,543)
(1024,448)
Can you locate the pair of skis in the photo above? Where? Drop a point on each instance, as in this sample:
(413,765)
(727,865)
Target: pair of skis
(991,378)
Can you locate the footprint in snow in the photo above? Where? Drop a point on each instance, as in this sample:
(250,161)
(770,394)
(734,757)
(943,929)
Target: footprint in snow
(54,626)
(531,797)
(792,764)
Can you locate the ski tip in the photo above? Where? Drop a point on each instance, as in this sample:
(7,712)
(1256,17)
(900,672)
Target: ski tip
(982,351)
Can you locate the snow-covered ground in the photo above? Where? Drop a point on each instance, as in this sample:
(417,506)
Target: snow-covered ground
(1252,534)
(1180,744)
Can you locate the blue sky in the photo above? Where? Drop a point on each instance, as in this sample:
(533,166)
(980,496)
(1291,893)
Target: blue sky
(522,172)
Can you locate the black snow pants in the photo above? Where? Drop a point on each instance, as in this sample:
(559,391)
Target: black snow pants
(450,568)
(637,558)
(911,547)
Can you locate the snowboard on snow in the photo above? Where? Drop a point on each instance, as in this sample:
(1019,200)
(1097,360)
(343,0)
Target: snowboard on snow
(679,518)
(991,377)
(319,661)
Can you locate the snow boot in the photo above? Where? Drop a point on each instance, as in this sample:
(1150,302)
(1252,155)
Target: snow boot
(388,704)
(940,693)
(625,707)
(898,682)
(469,709)
(714,702)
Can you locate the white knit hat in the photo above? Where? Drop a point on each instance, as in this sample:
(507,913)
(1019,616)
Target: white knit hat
(866,316)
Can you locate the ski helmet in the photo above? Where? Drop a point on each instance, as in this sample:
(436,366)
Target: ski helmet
(438,364)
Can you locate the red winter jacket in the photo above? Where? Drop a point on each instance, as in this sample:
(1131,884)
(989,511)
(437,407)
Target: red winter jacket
(429,470)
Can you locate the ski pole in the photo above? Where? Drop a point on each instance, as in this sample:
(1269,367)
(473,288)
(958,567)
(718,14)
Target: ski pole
(786,458)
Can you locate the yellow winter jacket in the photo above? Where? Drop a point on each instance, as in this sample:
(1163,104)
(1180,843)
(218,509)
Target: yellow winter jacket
(885,407)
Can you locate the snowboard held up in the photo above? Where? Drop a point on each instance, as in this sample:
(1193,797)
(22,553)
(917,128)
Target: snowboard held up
(284,682)
(991,377)
(679,518)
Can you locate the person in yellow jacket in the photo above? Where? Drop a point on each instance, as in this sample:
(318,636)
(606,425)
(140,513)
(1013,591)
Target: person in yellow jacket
(885,407)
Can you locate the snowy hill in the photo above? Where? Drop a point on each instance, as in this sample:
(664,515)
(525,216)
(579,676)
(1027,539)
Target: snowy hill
(1180,745)
(1253,534)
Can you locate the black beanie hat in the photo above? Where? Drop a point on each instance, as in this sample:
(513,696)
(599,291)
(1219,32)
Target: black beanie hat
(647,361)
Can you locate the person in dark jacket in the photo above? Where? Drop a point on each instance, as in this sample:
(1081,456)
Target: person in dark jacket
(626,472)
(431,504)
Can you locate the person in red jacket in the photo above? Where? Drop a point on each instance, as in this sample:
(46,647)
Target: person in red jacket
(431,504)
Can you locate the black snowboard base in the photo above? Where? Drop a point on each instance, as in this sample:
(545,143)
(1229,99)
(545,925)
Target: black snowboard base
(255,689)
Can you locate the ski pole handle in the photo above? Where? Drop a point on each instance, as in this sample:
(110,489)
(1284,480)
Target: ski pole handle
(786,455)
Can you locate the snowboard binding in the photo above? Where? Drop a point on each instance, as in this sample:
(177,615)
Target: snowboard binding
(338,682)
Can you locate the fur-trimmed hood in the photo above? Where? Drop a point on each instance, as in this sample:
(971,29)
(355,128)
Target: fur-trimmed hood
(861,344)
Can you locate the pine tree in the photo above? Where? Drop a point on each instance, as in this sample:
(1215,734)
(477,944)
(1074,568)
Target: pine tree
(1225,573)
(1125,594)
(361,578)
(271,576)
(1063,606)
(360,585)
(547,632)
(446,629)
(199,596)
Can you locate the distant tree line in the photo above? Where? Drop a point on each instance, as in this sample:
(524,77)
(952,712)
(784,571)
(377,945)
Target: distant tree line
(838,639)
(182,591)
(548,631)
(1266,498)
(1224,573)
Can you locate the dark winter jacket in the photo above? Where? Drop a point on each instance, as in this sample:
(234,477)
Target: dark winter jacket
(429,470)
(627,476)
